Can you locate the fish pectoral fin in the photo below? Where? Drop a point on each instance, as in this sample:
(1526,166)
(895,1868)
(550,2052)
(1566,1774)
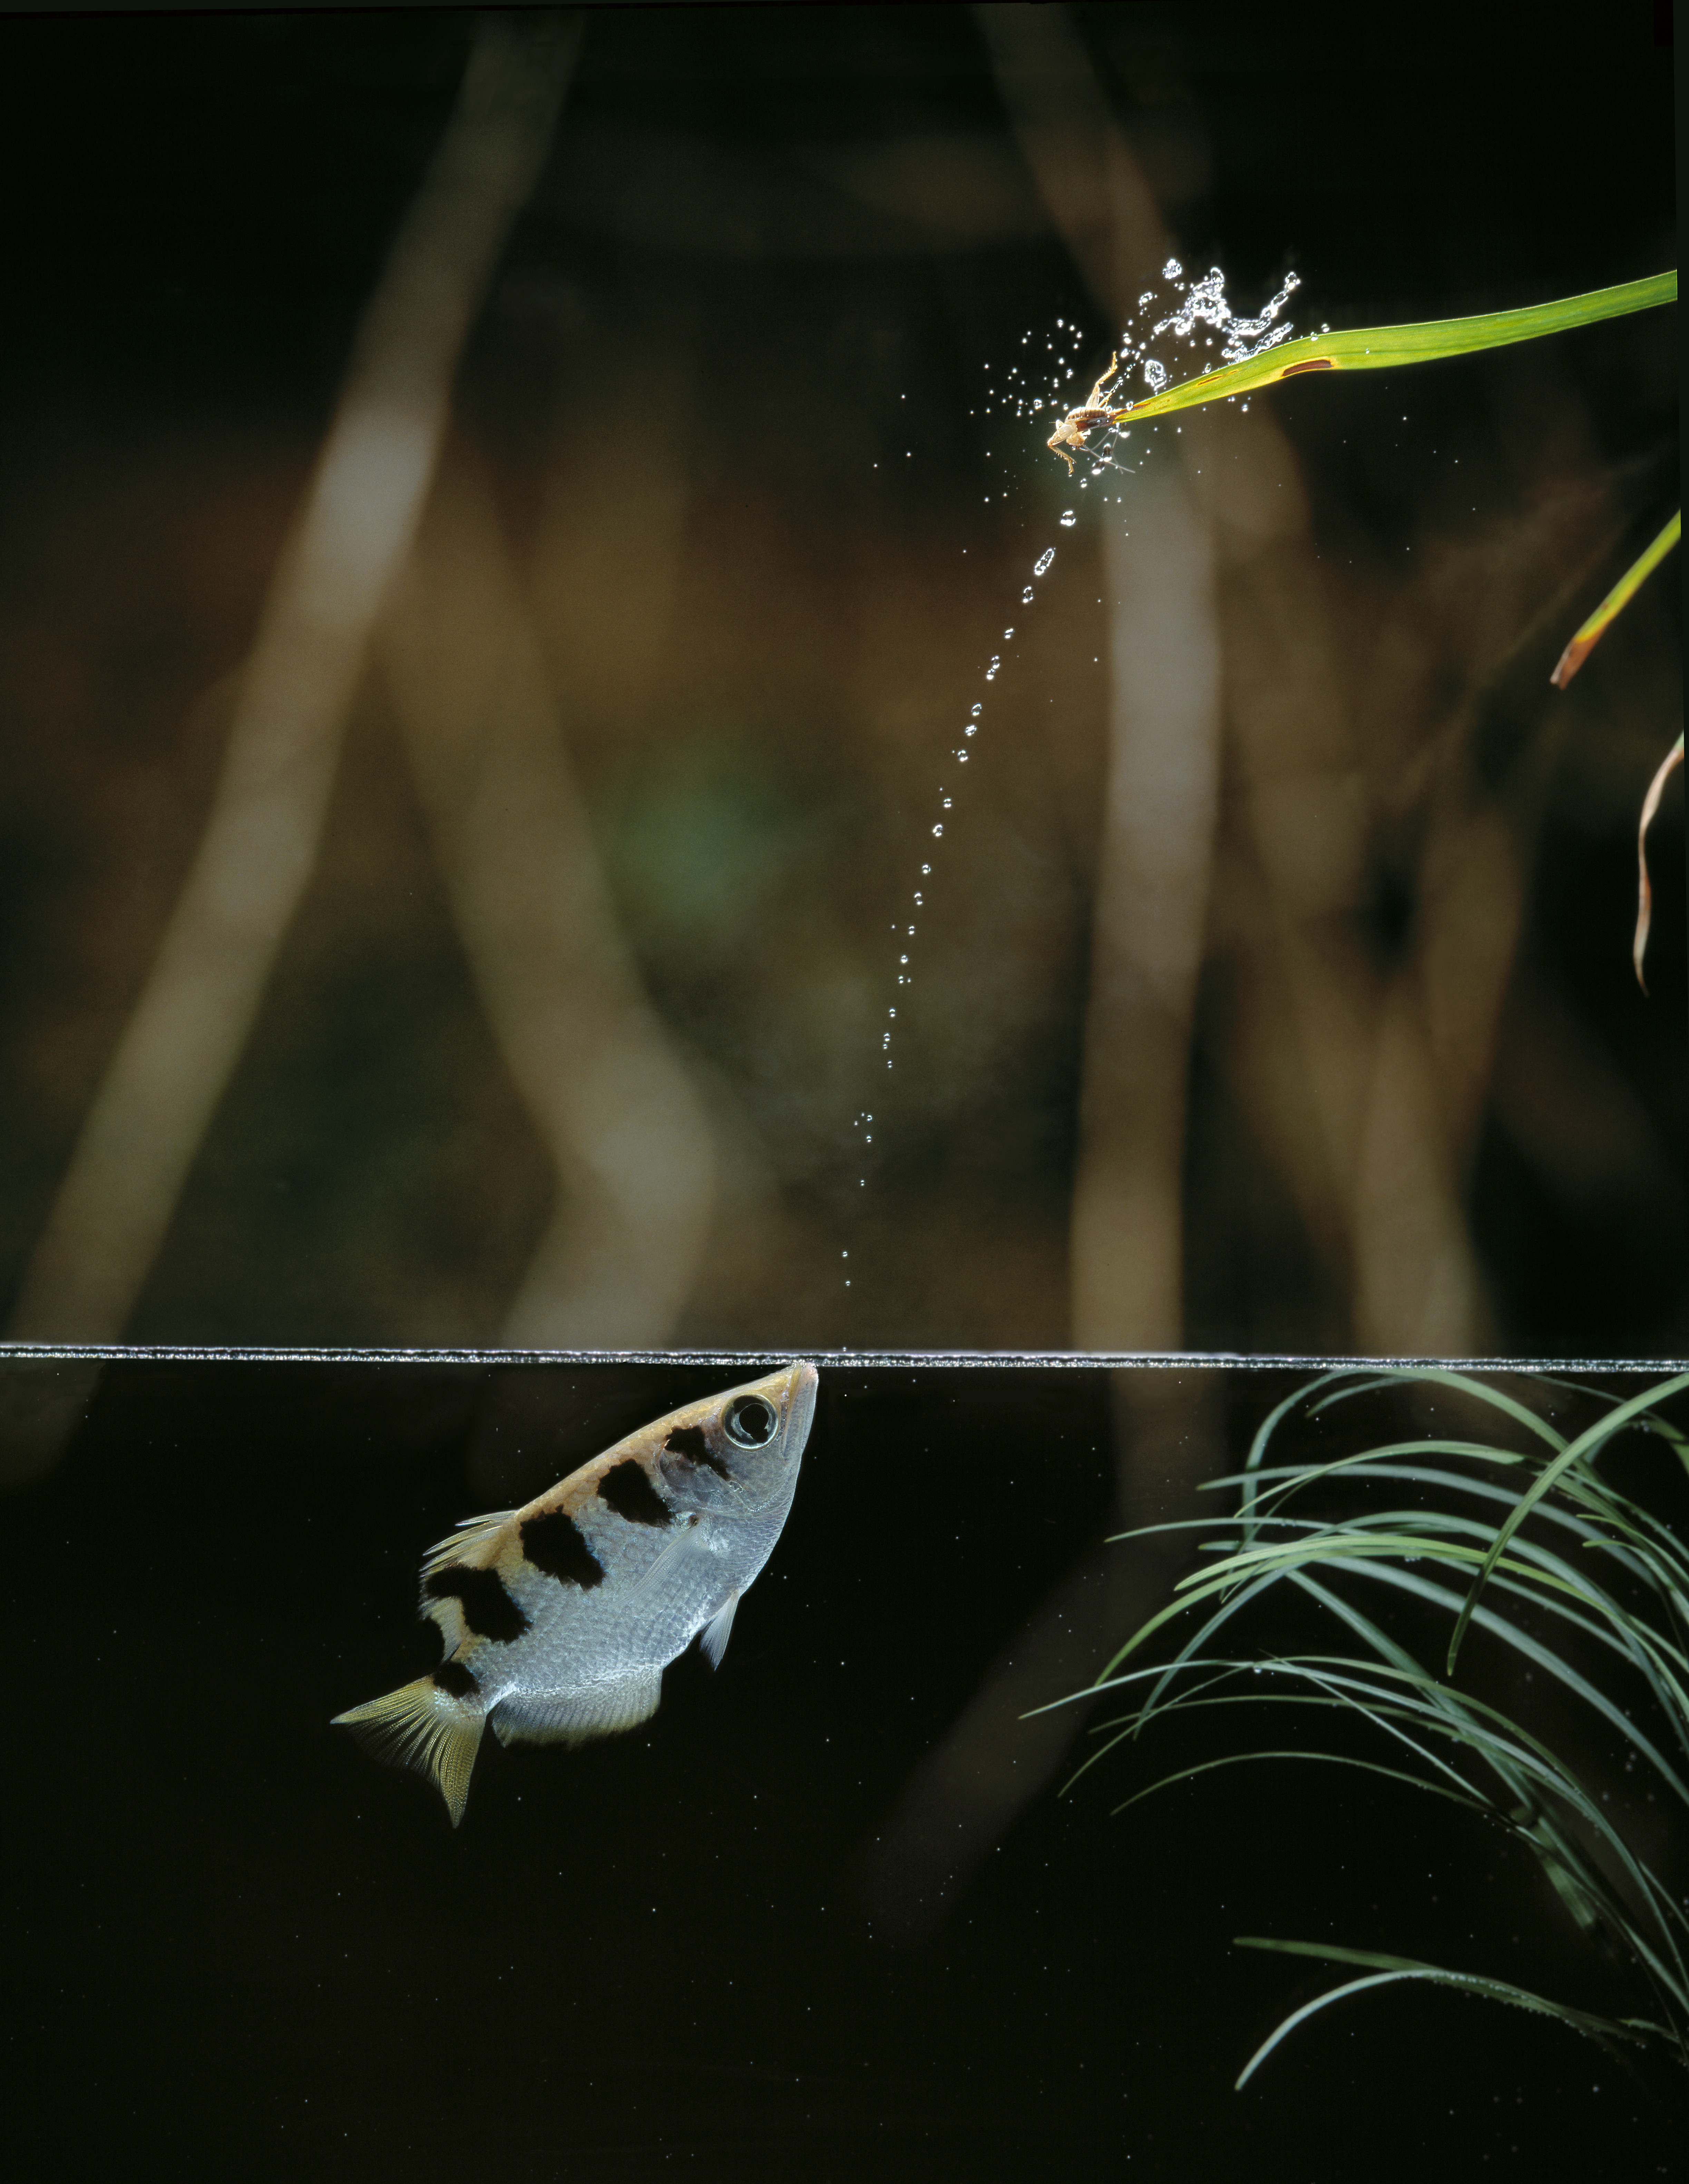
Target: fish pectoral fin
(578,1716)
(713,1638)
(419,1725)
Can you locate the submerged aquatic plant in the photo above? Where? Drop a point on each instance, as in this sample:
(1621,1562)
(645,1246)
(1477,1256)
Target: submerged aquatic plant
(1594,1594)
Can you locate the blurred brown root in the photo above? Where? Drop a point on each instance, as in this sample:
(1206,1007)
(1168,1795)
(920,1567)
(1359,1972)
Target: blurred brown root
(191,1023)
(628,1139)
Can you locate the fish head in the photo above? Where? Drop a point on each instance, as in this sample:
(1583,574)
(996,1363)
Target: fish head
(740,1451)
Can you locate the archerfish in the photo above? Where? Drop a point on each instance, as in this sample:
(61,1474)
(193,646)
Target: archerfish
(559,1618)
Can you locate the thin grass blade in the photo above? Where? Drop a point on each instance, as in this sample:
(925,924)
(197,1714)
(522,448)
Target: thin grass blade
(1590,633)
(1376,348)
(1392,1969)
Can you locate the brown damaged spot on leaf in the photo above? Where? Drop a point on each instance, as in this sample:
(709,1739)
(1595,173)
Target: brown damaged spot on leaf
(1572,658)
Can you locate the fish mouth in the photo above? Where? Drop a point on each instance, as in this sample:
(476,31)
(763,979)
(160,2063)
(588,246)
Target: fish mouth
(792,1393)
(798,1393)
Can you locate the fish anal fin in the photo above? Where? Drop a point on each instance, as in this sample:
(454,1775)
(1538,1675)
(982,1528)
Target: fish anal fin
(421,1726)
(577,1716)
(713,1638)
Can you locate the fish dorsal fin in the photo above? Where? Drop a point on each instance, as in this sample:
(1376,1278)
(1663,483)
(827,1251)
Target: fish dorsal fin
(713,1638)
(575,1717)
(471,1533)
(421,1726)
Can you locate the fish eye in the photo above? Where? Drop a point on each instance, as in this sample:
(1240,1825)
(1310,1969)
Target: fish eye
(750,1422)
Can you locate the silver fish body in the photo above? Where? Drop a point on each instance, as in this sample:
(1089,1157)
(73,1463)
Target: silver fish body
(559,1618)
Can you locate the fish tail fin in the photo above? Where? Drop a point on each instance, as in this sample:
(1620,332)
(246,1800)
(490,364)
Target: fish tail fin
(421,1726)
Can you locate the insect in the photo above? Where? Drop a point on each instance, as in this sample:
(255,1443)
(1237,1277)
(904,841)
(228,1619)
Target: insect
(1070,434)
(559,1618)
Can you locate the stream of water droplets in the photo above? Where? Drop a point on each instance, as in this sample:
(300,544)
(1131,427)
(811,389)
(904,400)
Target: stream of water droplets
(1194,304)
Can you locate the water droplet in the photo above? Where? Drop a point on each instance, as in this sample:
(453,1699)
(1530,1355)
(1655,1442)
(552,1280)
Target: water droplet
(891,1012)
(1155,373)
(1172,270)
(1026,601)
(938,830)
(1010,632)
(961,758)
(902,959)
(917,897)
(1044,560)
(970,730)
(977,711)
(911,933)
(1068,519)
(946,802)
(925,868)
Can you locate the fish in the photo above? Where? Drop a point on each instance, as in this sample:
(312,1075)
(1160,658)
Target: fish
(559,1618)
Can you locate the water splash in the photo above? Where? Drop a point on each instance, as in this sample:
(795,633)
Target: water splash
(1205,304)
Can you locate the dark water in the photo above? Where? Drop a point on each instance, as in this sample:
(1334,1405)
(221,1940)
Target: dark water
(773,1931)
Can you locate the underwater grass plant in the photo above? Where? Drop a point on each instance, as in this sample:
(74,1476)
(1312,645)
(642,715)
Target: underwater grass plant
(1522,1538)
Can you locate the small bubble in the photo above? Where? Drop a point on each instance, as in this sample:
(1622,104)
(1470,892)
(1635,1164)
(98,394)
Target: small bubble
(1172,270)
(970,730)
(917,897)
(911,933)
(946,802)
(891,1012)
(961,758)
(903,959)
(1068,519)
(1044,560)
(977,709)
(1010,632)
(938,830)
(1026,601)
(925,868)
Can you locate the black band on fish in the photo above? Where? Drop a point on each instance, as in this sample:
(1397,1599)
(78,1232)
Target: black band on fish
(688,1441)
(625,1489)
(487,1608)
(456,1681)
(553,1543)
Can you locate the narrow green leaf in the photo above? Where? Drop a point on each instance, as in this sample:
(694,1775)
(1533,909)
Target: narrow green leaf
(1591,1438)
(1590,634)
(1376,348)
(1393,1969)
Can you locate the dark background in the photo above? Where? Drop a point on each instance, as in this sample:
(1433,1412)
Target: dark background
(234,1940)
(727,391)
(729,388)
